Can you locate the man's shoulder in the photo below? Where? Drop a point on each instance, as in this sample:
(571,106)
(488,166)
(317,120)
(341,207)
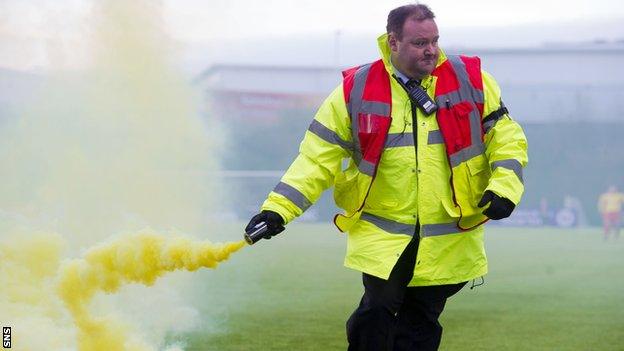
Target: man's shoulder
(349,72)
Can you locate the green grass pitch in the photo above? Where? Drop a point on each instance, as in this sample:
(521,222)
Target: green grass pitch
(547,289)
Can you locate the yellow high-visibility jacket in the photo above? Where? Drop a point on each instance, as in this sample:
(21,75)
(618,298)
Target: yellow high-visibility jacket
(410,186)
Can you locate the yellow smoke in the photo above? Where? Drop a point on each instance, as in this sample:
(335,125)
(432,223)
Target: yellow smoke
(39,288)
(113,149)
(140,258)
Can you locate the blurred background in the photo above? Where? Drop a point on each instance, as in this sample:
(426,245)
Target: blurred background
(261,70)
(182,115)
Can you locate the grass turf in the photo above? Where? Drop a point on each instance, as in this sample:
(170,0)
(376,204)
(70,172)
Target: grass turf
(548,289)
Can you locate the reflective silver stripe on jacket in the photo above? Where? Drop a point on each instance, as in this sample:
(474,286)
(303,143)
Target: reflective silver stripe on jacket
(454,97)
(511,164)
(407,139)
(466,154)
(367,167)
(399,140)
(395,227)
(318,129)
(435,137)
(375,107)
(388,225)
(294,195)
(438,229)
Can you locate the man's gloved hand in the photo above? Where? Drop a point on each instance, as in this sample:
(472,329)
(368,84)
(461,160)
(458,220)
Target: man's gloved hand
(275,223)
(500,207)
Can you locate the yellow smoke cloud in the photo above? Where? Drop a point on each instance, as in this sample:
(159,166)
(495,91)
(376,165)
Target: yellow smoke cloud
(39,288)
(140,258)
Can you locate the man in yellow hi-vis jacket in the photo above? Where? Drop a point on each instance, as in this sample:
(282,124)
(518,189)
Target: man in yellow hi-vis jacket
(610,207)
(433,154)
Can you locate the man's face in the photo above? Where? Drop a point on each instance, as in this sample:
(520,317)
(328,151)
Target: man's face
(416,54)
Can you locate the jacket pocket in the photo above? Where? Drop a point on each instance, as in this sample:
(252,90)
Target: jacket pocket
(347,190)
(372,131)
(450,208)
(455,126)
(479,177)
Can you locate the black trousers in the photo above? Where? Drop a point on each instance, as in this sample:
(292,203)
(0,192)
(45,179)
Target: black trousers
(393,317)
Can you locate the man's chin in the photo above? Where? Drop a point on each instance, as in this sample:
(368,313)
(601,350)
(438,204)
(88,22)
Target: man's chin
(426,71)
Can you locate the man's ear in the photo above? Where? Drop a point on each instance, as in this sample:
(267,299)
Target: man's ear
(392,42)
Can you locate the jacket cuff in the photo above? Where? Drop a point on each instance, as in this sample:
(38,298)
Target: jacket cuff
(282,206)
(506,185)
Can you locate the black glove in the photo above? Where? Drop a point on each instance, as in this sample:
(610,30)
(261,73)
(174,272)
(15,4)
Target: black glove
(500,207)
(275,223)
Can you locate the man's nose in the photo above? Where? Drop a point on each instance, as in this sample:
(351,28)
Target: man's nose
(428,49)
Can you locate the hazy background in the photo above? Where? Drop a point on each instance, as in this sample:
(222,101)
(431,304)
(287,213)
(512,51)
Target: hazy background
(557,63)
(272,32)
(181,116)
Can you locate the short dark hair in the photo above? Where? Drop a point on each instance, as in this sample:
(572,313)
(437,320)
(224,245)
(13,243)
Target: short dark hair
(398,16)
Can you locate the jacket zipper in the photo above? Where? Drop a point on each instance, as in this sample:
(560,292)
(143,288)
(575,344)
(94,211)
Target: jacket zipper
(415,136)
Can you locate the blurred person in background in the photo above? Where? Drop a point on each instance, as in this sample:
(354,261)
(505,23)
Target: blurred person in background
(575,206)
(433,154)
(547,215)
(610,206)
